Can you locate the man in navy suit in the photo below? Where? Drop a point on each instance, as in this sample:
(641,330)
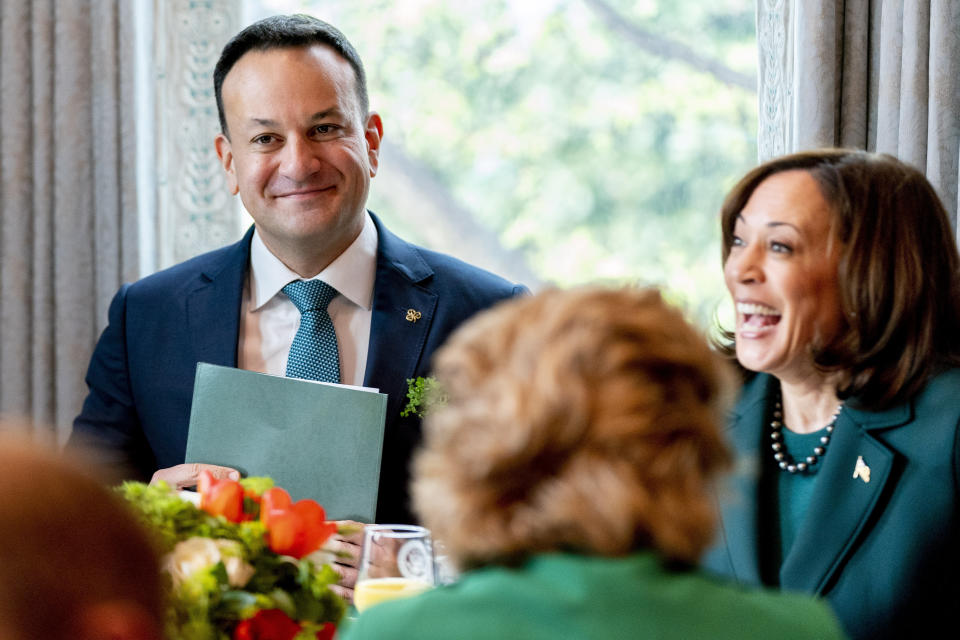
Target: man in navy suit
(299,145)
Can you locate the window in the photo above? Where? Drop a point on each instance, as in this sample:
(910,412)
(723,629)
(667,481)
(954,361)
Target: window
(560,141)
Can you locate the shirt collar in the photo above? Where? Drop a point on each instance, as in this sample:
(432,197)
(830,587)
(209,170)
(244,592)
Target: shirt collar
(352,273)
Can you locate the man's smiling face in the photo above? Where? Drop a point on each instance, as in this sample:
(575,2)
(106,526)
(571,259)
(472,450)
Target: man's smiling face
(298,150)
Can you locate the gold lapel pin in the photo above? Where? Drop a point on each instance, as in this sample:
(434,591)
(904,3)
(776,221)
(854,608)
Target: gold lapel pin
(413,315)
(861,471)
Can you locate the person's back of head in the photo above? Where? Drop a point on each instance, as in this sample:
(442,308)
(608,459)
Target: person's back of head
(73,562)
(582,420)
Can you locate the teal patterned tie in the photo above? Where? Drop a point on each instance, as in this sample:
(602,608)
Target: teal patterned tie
(313,354)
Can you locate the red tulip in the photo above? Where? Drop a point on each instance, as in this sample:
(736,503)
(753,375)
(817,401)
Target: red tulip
(267,624)
(274,499)
(221,497)
(294,529)
(328,631)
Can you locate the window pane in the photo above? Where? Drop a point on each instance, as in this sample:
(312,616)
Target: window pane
(560,141)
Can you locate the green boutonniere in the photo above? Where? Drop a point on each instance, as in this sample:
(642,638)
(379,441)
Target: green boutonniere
(423,394)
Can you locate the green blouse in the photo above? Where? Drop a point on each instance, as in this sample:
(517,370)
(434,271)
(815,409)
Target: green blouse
(556,596)
(794,489)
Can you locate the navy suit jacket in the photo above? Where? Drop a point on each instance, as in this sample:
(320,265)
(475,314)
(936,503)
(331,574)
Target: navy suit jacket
(142,371)
(884,549)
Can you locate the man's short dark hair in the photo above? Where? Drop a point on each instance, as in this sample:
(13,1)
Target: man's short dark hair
(281,32)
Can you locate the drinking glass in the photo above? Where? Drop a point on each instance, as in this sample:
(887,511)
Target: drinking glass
(396,562)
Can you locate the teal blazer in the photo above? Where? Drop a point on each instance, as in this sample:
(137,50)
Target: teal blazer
(883,548)
(565,596)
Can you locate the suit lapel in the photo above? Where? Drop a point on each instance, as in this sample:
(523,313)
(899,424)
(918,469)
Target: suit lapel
(213,306)
(842,503)
(741,520)
(396,339)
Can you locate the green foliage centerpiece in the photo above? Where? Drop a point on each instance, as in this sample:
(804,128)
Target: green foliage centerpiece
(244,564)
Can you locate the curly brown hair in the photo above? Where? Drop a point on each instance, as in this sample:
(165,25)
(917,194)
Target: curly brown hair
(582,420)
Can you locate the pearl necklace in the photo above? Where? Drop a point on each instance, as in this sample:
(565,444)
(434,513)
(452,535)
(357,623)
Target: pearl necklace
(784,460)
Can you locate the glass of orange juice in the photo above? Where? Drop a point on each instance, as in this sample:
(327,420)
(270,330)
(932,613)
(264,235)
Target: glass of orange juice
(396,562)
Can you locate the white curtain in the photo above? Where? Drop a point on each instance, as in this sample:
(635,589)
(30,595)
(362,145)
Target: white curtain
(68,230)
(882,75)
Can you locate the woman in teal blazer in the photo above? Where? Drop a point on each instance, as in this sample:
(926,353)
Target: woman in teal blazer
(569,473)
(844,272)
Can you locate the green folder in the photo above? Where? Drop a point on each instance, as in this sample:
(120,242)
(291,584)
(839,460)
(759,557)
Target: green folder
(315,440)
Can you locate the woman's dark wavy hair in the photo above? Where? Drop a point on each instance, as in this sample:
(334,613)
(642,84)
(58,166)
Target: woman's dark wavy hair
(898,275)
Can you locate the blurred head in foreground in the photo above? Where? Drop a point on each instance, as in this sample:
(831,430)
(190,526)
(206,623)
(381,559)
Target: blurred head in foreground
(582,420)
(73,563)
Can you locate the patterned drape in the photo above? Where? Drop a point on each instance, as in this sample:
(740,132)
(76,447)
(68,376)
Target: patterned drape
(882,75)
(68,216)
(195,212)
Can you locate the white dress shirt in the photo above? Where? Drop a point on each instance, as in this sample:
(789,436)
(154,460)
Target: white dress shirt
(269,320)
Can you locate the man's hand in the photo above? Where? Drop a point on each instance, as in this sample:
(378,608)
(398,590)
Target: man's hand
(182,476)
(347,549)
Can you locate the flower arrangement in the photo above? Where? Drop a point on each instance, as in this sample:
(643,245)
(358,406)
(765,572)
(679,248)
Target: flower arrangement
(246,564)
